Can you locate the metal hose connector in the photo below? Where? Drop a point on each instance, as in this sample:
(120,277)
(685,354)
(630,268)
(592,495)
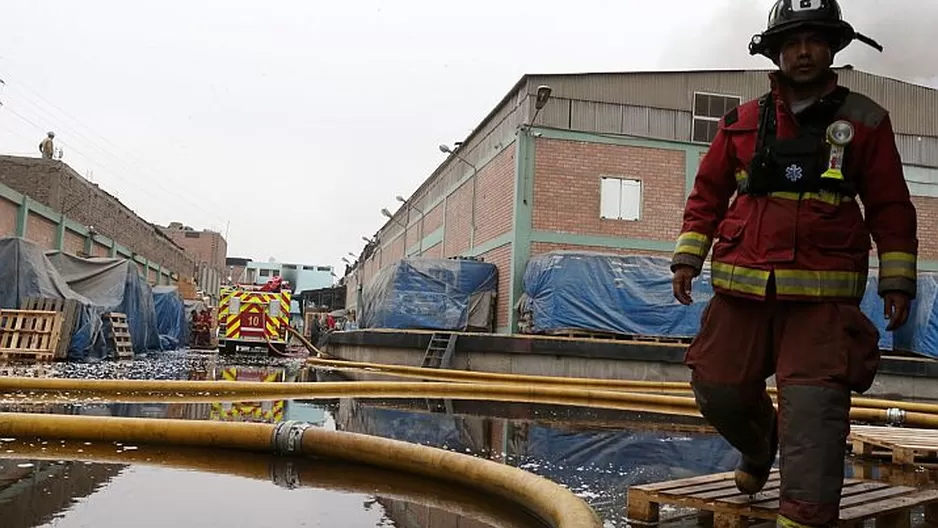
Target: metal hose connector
(287,438)
(895,416)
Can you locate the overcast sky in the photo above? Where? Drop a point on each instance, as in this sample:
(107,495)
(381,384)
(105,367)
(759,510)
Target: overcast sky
(290,124)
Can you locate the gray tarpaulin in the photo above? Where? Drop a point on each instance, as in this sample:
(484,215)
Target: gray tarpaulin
(26,272)
(117,285)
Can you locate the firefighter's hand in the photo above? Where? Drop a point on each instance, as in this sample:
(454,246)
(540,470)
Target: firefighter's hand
(896,307)
(681,283)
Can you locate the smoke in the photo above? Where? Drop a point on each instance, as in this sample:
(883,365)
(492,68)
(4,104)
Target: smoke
(907,29)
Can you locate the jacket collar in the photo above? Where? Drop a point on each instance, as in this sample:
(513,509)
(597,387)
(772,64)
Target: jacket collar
(781,91)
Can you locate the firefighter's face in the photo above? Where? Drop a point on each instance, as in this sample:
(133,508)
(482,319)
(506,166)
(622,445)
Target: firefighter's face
(805,57)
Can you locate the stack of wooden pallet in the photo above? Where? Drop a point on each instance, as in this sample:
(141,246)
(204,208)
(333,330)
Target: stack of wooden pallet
(68,308)
(117,335)
(30,334)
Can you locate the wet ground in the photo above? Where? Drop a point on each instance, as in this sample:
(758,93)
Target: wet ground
(596,453)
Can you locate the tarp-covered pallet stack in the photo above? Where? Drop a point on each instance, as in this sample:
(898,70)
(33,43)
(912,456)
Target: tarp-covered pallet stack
(432,294)
(26,273)
(629,295)
(116,285)
(97,286)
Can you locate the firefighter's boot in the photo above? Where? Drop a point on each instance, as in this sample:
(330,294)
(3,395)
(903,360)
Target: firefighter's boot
(752,474)
(748,421)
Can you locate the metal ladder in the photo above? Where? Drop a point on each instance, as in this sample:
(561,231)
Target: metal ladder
(440,351)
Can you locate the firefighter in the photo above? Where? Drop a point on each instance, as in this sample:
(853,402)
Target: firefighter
(790,259)
(46,146)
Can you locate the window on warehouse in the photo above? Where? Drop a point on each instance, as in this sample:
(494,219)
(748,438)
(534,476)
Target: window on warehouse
(708,110)
(620,198)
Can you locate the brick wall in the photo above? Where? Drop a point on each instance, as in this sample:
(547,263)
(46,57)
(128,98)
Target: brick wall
(501,257)
(458,221)
(41,231)
(396,251)
(495,193)
(434,251)
(927,213)
(202,246)
(433,220)
(73,243)
(8,211)
(58,187)
(567,188)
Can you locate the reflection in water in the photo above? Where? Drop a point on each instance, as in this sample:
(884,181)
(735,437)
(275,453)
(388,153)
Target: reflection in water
(194,487)
(33,493)
(597,461)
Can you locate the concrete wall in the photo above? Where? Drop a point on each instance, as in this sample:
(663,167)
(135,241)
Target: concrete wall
(564,357)
(34,194)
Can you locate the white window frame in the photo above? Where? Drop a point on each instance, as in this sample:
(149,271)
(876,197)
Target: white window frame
(605,214)
(695,117)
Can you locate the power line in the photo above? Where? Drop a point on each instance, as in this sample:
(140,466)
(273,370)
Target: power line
(117,174)
(137,165)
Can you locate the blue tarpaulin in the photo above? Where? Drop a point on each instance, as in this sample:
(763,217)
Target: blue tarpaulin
(26,272)
(920,334)
(115,284)
(631,294)
(433,294)
(171,320)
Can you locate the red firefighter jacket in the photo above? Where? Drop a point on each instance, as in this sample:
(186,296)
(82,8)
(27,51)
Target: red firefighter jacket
(815,246)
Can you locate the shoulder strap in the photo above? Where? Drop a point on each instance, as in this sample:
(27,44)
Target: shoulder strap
(768,120)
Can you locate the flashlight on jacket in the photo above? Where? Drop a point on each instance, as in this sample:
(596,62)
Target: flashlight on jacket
(839,135)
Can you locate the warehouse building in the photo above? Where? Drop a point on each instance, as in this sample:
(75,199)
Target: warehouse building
(606,166)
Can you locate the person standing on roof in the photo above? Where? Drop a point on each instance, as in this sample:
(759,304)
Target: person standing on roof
(790,260)
(46,146)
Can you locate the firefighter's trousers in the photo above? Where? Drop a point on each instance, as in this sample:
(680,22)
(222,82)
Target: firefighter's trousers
(818,353)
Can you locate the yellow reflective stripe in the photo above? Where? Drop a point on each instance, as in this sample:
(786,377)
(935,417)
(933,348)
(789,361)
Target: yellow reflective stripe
(696,244)
(898,264)
(811,283)
(785,522)
(738,278)
(824,196)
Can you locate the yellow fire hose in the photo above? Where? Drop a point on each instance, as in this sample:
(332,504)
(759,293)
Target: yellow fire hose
(292,472)
(549,501)
(137,390)
(635,386)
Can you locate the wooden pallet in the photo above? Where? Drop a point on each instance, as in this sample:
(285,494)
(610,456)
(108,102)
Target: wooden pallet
(69,308)
(903,445)
(29,334)
(117,333)
(720,503)
(901,475)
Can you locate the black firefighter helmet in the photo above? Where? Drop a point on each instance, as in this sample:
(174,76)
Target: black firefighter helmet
(787,16)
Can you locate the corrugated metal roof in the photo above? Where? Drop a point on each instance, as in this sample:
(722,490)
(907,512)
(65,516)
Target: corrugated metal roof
(914,108)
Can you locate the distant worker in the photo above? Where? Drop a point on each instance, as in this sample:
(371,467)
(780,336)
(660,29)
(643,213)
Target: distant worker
(790,262)
(46,146)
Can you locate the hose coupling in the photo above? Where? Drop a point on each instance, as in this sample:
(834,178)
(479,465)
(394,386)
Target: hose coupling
(288,437)
(895,416)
